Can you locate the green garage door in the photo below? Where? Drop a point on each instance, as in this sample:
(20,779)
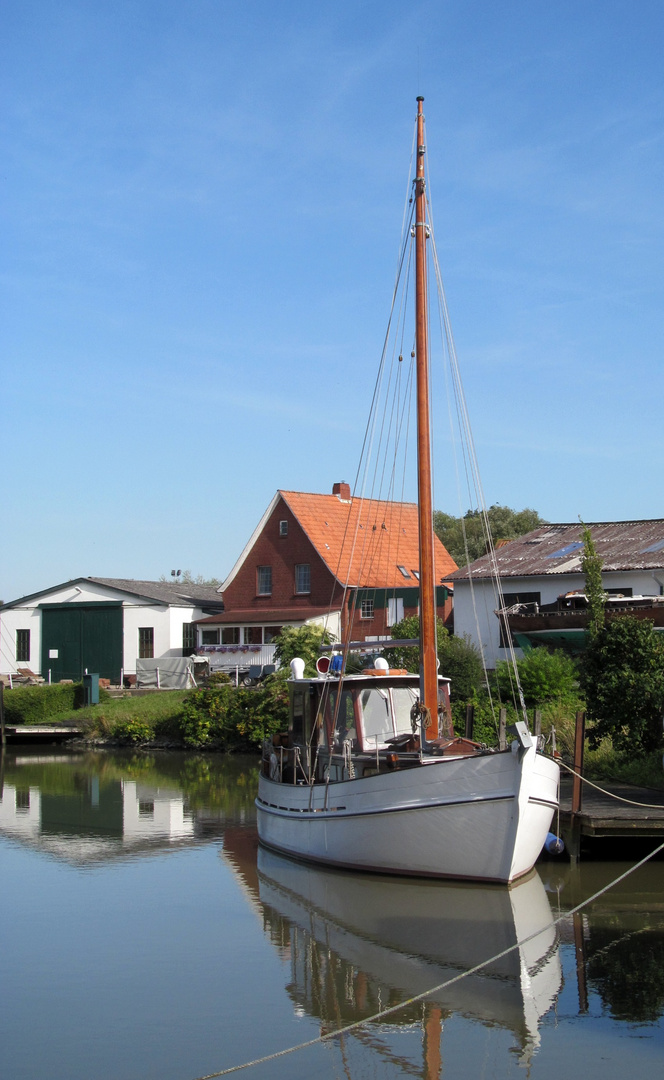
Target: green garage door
(80,637)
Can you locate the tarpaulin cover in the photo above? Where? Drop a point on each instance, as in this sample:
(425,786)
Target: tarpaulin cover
(168,673)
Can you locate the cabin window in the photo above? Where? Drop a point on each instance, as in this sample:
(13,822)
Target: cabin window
(210,637)
(230,635)
(146,642)
(376,717)
(283,528)
(403,699)
(188,638)
(264,580)
(253,635)
(367,609)
(345,728)
(22,646)
(302,578)
(270,633)
(394,610)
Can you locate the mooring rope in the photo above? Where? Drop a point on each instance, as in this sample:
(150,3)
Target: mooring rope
(434,989)
(611,794)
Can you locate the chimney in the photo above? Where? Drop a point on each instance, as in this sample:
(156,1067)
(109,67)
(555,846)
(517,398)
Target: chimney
(342,490)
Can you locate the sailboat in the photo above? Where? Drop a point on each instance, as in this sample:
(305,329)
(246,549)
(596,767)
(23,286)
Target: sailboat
(369,775)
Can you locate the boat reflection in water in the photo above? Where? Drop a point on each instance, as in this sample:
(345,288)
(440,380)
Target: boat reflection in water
(360,943)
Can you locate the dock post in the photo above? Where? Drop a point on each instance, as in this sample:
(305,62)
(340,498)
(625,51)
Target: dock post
(470,720)
(537,723)
(502,726)
(579,736)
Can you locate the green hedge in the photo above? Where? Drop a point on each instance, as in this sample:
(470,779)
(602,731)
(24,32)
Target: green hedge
(35,704)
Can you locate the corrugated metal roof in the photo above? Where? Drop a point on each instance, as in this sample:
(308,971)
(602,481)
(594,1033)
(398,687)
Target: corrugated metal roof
(552,549)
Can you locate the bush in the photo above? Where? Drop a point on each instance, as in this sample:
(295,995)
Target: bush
(235,719)
(132,730)
(303,641)
(35,704)
(544,676)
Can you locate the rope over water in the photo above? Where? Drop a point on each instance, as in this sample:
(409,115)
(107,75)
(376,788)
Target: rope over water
(434,989)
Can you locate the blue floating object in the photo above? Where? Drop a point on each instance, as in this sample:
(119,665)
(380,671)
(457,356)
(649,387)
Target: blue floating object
(553,844)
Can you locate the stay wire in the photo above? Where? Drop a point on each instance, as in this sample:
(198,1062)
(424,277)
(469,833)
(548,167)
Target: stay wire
(434,989)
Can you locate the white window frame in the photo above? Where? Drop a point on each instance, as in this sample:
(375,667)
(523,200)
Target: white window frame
(367,608)
(302,577)
(264,581)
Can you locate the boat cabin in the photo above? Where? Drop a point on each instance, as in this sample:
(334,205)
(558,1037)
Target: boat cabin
(369,720)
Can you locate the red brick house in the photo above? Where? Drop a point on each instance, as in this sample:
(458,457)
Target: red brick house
(304,550)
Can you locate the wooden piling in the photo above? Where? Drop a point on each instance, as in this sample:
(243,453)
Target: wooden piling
(577,786)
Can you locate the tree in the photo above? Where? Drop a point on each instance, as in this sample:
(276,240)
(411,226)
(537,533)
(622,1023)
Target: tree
(460,661)
(543,675)
(303,641)
(591,565)
(623,679)
(187,578)
(505,524)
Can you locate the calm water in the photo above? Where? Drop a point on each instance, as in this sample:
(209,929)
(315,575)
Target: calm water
(143,935)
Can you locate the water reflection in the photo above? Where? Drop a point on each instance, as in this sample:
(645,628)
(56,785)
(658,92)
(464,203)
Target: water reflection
(351,943)
(358,943)
(90,807)
(618,940)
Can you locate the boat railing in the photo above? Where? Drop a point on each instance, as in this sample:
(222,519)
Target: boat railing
(286,764)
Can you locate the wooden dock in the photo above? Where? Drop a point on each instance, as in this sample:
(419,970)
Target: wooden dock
(28,733)
(602,817)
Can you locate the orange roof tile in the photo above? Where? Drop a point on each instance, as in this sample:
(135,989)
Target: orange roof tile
(364,542)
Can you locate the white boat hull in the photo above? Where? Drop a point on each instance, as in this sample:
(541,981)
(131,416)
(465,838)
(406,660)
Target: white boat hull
(482,818)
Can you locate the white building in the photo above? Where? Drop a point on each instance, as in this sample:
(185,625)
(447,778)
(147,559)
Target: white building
(102,625)
(545,564)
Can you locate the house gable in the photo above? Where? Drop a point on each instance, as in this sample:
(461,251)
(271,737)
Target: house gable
(279,549)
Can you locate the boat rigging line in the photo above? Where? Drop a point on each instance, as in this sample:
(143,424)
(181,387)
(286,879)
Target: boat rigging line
(328,1036)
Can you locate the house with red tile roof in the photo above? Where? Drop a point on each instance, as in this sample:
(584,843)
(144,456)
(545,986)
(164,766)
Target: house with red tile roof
(333,559)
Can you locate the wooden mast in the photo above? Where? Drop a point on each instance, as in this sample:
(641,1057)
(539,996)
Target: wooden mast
(428,651)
